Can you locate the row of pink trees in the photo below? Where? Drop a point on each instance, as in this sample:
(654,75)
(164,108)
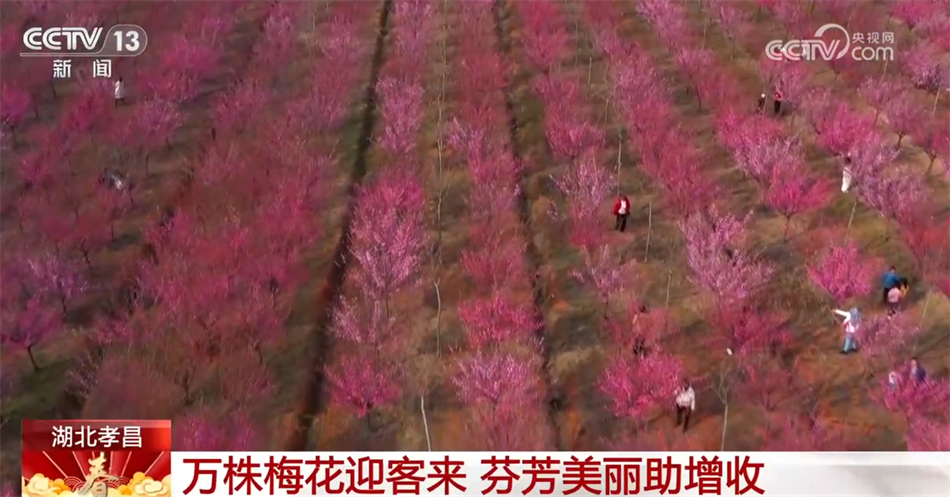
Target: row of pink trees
(227,264)
(640,375)
(498,378)
(388,240)
(749,335)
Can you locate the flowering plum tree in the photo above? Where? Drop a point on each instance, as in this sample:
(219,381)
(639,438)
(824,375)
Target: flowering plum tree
(27,316)
(491,321)
(747,330)
(586,187)
(844,272)
(718,266)
(934,139)
(503,391)
(400,108)
(364,382)
(605,275)
(495,265)
(840,128)
(792,192)
(388,235)
(635,387)
(893,193)
(923,65)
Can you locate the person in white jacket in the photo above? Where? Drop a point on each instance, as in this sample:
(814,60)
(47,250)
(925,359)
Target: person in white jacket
(685,405)
(846,177)
(852,320)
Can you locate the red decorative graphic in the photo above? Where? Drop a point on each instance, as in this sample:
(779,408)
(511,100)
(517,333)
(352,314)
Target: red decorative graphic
(107,457)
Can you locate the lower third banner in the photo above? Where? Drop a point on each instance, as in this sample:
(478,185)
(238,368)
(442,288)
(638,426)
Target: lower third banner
(219,474)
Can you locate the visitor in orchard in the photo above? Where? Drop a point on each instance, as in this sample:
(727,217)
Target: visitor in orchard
(760,106)
(685,404)
(622,212)
(916,371)
(778,101)
(846,174)
(890,280)
(852,320)
(119,92)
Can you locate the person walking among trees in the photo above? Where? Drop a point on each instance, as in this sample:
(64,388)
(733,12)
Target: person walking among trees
(685,404)
(896,295)
(852,320)
(893,379)
(622,212)
(846,174)
(119,92)
(778,101)
(760,105)
(916,371)
(890,280)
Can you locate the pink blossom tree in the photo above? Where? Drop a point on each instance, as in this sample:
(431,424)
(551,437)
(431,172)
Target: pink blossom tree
(605,275)
(878,91)
(151,128)
(569,140)
(389,236)
(503,392)
(871,157)
(58,278)
(934,139)
(695,63)
(28,319)
(893,193)
(767,384)
(747,330)
(491,321)
(546,40)
(840,128)
(732,20)
(913,12)
(586,186)
(91,108)
(401,112)
(232,112)
(635,387)
(844,272)
(363,382)
(494,266)
(925,435)
(718,265)
(925,68)
(792,192)
(881,335)
(903,114)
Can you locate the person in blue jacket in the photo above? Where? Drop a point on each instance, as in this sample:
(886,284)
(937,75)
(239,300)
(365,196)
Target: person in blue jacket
(917,371)
(891,280)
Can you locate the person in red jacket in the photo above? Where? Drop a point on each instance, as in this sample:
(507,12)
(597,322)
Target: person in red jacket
(622,211)
(778,101)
